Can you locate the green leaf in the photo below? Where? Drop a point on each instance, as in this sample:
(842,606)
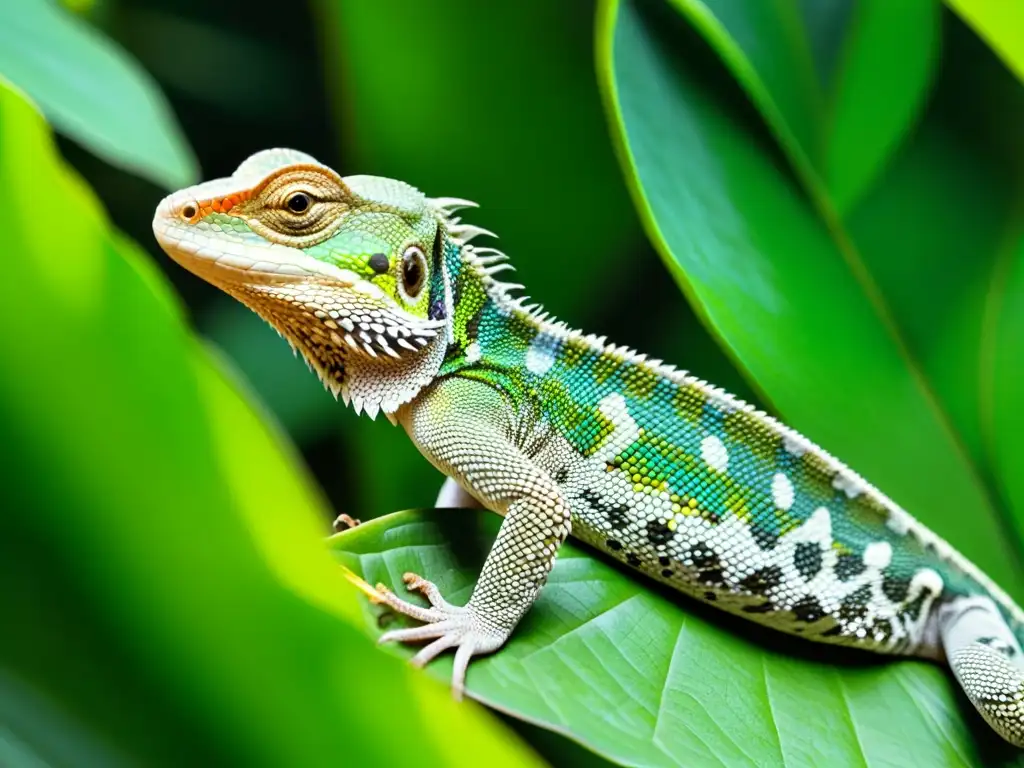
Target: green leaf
(642,677)
(168,598)
(1000,23)
(785,287)
(1002,402)
(888,61)
(91,90)
(931,235)
(839,118)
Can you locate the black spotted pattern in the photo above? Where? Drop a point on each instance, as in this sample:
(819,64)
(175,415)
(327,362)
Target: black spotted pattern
(658,532)
(808,609)
(855,605)
(761,581)
(895,588)
(617,514)
(807,559)
(701,556)
(848,565)
(766,538)
(711,577)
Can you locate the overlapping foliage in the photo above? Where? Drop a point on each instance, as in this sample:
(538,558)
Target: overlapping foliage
(834,186)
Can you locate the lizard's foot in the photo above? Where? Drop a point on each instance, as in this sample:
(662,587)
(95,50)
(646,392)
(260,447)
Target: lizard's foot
(447,626)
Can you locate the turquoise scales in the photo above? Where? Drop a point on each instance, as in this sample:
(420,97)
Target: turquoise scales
(693,487)
(382,292)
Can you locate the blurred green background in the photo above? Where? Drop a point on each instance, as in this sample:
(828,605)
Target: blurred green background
(815,204)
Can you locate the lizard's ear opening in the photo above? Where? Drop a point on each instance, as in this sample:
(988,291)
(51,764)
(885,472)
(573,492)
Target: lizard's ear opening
(414,274)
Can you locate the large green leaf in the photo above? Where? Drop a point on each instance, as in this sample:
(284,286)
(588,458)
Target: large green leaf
(167,597)
(783,284)
(645,678)
(1002,403)
(1000,22)
(838,117)
(93,91)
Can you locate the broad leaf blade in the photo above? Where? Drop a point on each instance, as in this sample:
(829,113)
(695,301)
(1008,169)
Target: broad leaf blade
(767,51)
(92,91)
(642,677)
(888,61)
(1002,403)
(931,233)
(838,117)
(784,288)
(166,587)
(1000,23)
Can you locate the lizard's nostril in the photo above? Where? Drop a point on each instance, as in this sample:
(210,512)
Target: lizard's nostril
(189,211)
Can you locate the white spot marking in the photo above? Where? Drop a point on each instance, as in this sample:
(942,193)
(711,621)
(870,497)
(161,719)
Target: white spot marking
(721,400)
(782,492)
(928,580)
(473,352)
(848,483)
(899,522)
(878,554)
(818,526)
(625,430)
(795,445)
(541,354)
(713,451)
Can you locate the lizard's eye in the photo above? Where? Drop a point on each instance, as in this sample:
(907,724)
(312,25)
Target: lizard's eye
(414,269)
(298,202)
(189,211)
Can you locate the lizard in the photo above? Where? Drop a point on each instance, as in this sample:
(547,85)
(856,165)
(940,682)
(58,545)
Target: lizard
(383,292)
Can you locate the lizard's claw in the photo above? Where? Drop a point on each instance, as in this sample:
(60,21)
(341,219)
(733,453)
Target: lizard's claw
(446,625)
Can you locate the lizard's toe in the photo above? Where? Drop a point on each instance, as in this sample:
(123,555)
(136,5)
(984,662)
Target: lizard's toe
(460,633)
(416,583)
(447,626)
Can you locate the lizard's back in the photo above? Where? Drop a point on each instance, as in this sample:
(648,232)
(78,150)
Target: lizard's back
(703,492)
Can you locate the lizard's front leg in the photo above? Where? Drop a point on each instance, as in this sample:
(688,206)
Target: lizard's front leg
(465,428)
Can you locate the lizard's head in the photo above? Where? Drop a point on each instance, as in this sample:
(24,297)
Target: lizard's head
(349,270)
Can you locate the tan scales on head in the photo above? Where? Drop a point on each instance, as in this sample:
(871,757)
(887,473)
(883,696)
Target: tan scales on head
(299,206)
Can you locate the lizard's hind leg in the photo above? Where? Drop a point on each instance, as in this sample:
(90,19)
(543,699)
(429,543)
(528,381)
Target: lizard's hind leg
(988,662)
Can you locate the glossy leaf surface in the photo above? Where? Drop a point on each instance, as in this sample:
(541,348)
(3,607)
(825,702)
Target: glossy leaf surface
(91,90)
(645,678)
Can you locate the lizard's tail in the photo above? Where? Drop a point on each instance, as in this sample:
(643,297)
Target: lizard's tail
(985,655)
